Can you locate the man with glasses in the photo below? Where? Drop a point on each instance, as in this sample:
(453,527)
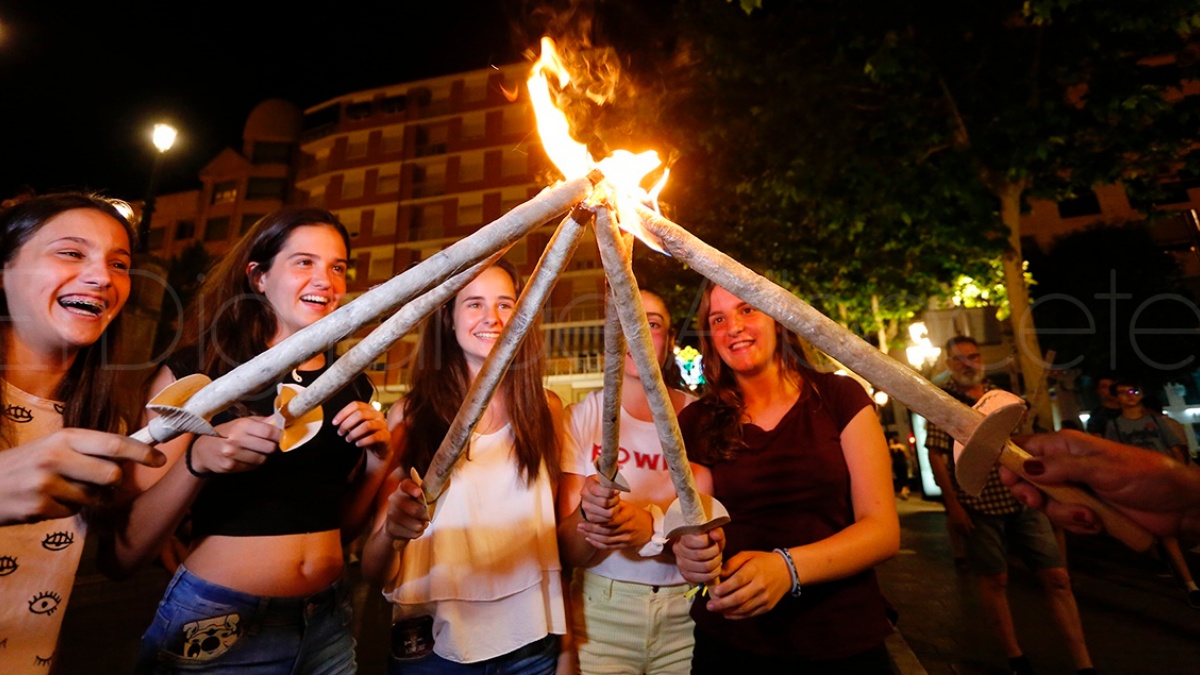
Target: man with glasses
(994,524)
(1142,427)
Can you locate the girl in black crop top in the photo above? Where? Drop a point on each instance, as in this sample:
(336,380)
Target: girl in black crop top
(260,582)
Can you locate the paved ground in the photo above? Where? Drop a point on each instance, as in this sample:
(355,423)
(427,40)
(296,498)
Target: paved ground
(1135,620)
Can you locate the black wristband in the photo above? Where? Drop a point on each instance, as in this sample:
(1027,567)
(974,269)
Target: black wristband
(187,462)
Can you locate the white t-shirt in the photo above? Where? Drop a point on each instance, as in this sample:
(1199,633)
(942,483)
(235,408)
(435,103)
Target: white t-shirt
(487,568)
(38,561)
(643,466)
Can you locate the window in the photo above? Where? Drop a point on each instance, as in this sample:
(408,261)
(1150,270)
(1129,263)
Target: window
(266,188)
(157,235)
(317,119)
(393,104)
(471,168)
(217,229)
(353,187)
(388,183)
(271,153)
(248,221)
(422,96)
(357,111)
(516,120)
(225,192)
(474,127)
(185,229)
(1084,205)
(514,164)
(381,267)
(385,220)
(393,140)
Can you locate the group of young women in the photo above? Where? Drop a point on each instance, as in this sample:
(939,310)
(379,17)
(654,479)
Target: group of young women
(532,564)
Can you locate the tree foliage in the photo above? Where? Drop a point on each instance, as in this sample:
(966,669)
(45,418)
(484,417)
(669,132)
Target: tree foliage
(861,151)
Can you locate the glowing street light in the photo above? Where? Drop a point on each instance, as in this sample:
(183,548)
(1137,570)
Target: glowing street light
(922,353)
(163,138)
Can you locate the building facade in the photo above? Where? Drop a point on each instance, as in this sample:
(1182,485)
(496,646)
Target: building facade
(409,168)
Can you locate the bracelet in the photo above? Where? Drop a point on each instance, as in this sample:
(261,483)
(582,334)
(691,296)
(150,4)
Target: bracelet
(187,462)
(787,557)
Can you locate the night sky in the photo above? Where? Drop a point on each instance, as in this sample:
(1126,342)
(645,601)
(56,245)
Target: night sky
(83,83)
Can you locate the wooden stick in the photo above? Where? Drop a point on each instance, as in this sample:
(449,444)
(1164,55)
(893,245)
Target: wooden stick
(363,354)
(886,373)
(265,369)
(558,252)
(614,376)
(619,270)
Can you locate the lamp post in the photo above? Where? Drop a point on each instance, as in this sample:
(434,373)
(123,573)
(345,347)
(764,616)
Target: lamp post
(163,137)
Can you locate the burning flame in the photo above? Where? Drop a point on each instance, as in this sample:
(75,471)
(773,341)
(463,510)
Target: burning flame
(623,170)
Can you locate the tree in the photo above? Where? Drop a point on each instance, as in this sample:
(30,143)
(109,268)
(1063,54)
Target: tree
(876,149)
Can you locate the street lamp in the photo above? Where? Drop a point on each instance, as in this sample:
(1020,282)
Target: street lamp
(921,354)
(163,137)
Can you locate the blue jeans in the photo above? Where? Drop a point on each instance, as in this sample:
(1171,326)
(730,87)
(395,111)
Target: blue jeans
(204,628)
(535,658)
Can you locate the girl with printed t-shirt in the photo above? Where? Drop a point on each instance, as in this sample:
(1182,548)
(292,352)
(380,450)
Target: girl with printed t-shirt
(628,599)
(66,264)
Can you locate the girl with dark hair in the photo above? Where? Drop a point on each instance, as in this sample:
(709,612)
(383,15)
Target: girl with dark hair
(799,459)
(260,588)
(479,588)
(66,264)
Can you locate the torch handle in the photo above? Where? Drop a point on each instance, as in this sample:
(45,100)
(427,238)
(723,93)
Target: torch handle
(614,371)
(1115,523)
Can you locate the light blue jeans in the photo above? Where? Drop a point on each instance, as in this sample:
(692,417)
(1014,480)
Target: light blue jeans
(205,628)
(535,658)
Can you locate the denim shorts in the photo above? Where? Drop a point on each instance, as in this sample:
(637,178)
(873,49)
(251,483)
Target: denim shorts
(1026,533)
(201,627)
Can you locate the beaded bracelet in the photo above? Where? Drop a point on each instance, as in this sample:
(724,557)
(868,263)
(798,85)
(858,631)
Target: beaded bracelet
(787,557)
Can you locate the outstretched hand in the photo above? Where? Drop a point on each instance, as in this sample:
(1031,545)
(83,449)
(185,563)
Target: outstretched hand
(1154,490)
(57,475)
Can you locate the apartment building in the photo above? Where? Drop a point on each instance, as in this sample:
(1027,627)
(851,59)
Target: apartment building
(410,168)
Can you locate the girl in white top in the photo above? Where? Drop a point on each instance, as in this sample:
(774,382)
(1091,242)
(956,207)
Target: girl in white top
(480,587)
(66,264)
(629,609)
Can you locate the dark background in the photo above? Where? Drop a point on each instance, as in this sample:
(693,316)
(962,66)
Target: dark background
(83,83)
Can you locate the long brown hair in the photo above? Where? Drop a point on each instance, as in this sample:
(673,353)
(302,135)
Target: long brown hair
(723,406)
(440,381)
(87,391)
(230,322)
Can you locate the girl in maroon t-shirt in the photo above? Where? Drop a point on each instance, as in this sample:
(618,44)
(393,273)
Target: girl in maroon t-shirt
(799,460)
